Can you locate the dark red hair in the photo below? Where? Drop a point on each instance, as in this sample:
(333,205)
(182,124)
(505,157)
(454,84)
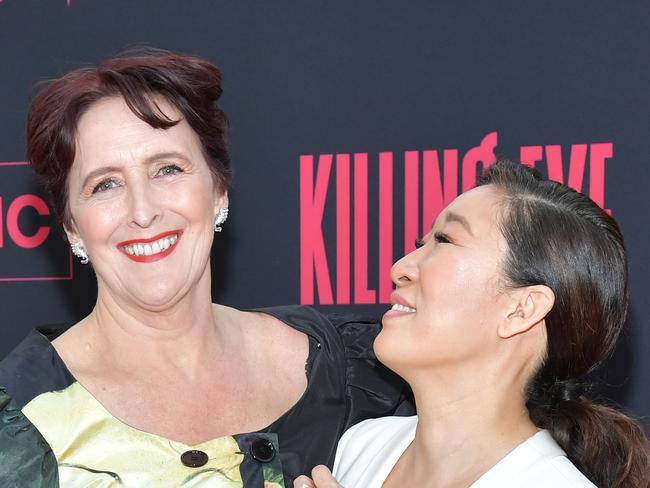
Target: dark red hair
(190,84)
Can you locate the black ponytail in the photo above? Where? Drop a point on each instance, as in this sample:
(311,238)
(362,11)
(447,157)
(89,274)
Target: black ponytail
(559,238)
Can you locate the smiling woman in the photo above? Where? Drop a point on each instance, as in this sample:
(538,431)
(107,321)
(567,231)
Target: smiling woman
(158,386)
(142,195)
(517,293)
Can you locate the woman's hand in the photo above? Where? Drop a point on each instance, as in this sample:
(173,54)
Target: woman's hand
(322,478)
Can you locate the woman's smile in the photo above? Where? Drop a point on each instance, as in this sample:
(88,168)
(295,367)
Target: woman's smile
(399,306)
(151,249)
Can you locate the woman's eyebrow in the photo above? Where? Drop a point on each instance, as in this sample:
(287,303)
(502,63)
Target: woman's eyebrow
(165,155)
(148,160)
(99,172)
(454,217)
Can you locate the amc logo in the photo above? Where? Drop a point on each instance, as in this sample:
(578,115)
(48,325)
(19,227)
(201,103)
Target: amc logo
(31,247)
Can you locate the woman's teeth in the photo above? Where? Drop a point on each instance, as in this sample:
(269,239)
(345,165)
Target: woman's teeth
(402,308)
(151,248)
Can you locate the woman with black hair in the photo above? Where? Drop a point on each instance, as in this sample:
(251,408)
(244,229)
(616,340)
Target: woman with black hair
(518,292)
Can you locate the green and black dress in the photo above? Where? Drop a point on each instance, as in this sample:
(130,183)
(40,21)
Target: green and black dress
(54,432)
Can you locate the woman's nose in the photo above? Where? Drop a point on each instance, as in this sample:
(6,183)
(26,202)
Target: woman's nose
(144,209)
(405,270)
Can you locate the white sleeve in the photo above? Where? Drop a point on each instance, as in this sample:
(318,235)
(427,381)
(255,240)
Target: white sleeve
(342,451)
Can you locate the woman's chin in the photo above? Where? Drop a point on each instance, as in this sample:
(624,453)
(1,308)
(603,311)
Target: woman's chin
(156,298)
(383,350)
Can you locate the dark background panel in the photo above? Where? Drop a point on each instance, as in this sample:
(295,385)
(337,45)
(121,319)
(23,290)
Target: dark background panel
(347,77)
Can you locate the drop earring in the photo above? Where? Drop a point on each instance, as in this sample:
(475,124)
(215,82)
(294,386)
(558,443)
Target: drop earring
(79,251)
(220,218)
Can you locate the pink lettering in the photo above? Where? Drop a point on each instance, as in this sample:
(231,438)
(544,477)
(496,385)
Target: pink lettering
(576,164)
(441,178)
(312,246)
(361,292)
(385,225)
(597,155)
(483,153)
(411,200)
(343,228)
(438,192)
(16,235)
(529,155)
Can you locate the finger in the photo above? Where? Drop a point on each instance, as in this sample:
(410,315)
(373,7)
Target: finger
(303,481)
(323,477)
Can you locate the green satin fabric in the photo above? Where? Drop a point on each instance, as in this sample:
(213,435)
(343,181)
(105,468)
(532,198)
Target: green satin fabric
(26,460)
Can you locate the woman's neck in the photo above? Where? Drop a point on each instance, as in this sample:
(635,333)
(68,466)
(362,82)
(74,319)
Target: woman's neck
(464,428)
(178,337)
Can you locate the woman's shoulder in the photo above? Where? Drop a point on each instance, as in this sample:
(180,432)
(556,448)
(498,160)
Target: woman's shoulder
(27,459)
(347,339)
(310,320)
(348,332)
(538,462)
(366,439)
(553,466)
(34,367)
(564,474)
(341,335)
(372,446)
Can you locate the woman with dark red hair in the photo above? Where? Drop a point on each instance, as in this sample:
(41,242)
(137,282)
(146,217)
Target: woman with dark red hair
(159,386)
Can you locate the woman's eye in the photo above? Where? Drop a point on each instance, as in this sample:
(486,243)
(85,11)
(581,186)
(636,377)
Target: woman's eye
(170,169)
(419,243)
(105,185)
(441,238)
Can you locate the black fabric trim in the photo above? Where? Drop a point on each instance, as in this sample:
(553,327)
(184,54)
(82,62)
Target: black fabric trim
(34,367)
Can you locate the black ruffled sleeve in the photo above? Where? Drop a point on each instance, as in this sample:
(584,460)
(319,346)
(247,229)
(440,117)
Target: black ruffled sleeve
(26,460)
(346,384)
(372,389)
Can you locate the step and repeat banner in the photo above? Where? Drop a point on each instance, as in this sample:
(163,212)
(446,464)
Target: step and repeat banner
(352,124)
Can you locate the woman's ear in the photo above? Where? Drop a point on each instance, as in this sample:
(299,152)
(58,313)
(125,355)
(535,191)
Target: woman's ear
(70,229)
(528,307)
(76,244)
(221,201)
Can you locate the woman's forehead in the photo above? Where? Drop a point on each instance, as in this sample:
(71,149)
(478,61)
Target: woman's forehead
(474,210)
(113,113)
(110,130)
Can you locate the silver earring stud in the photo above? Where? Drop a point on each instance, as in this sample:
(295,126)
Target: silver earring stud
(220,218)
(79,251)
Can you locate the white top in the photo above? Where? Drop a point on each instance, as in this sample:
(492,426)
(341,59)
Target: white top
(368,451)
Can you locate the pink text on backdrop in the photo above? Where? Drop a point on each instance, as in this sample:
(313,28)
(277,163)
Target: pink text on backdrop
(11,234)
(438,173)
(13,212)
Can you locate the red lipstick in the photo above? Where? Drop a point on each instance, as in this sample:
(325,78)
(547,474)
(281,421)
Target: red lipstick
(152,257)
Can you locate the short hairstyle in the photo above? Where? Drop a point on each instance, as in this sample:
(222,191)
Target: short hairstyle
(190,84)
